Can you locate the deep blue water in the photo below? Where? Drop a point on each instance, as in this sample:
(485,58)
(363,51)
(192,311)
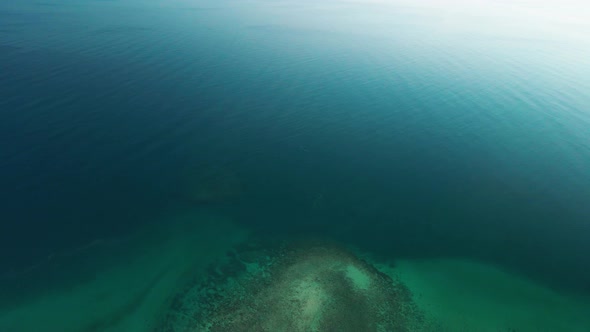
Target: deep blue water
(411,130)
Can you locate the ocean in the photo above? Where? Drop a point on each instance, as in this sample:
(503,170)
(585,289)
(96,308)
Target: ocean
(447,143)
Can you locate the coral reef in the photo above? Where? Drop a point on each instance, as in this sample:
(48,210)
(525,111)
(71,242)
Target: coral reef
(302,287)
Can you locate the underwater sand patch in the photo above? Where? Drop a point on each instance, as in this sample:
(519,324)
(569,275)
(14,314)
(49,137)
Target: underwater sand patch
(304,287)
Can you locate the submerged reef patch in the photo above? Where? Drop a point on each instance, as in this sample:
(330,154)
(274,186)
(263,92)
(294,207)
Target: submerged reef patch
(294,287)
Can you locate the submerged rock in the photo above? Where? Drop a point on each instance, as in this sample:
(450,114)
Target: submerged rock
(302,288)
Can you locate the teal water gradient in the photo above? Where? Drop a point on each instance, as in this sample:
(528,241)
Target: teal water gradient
(413,130)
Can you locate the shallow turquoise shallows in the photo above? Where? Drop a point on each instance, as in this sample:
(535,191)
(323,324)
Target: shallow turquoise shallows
(442,143)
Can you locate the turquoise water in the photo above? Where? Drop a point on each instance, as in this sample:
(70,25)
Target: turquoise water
(430,131)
